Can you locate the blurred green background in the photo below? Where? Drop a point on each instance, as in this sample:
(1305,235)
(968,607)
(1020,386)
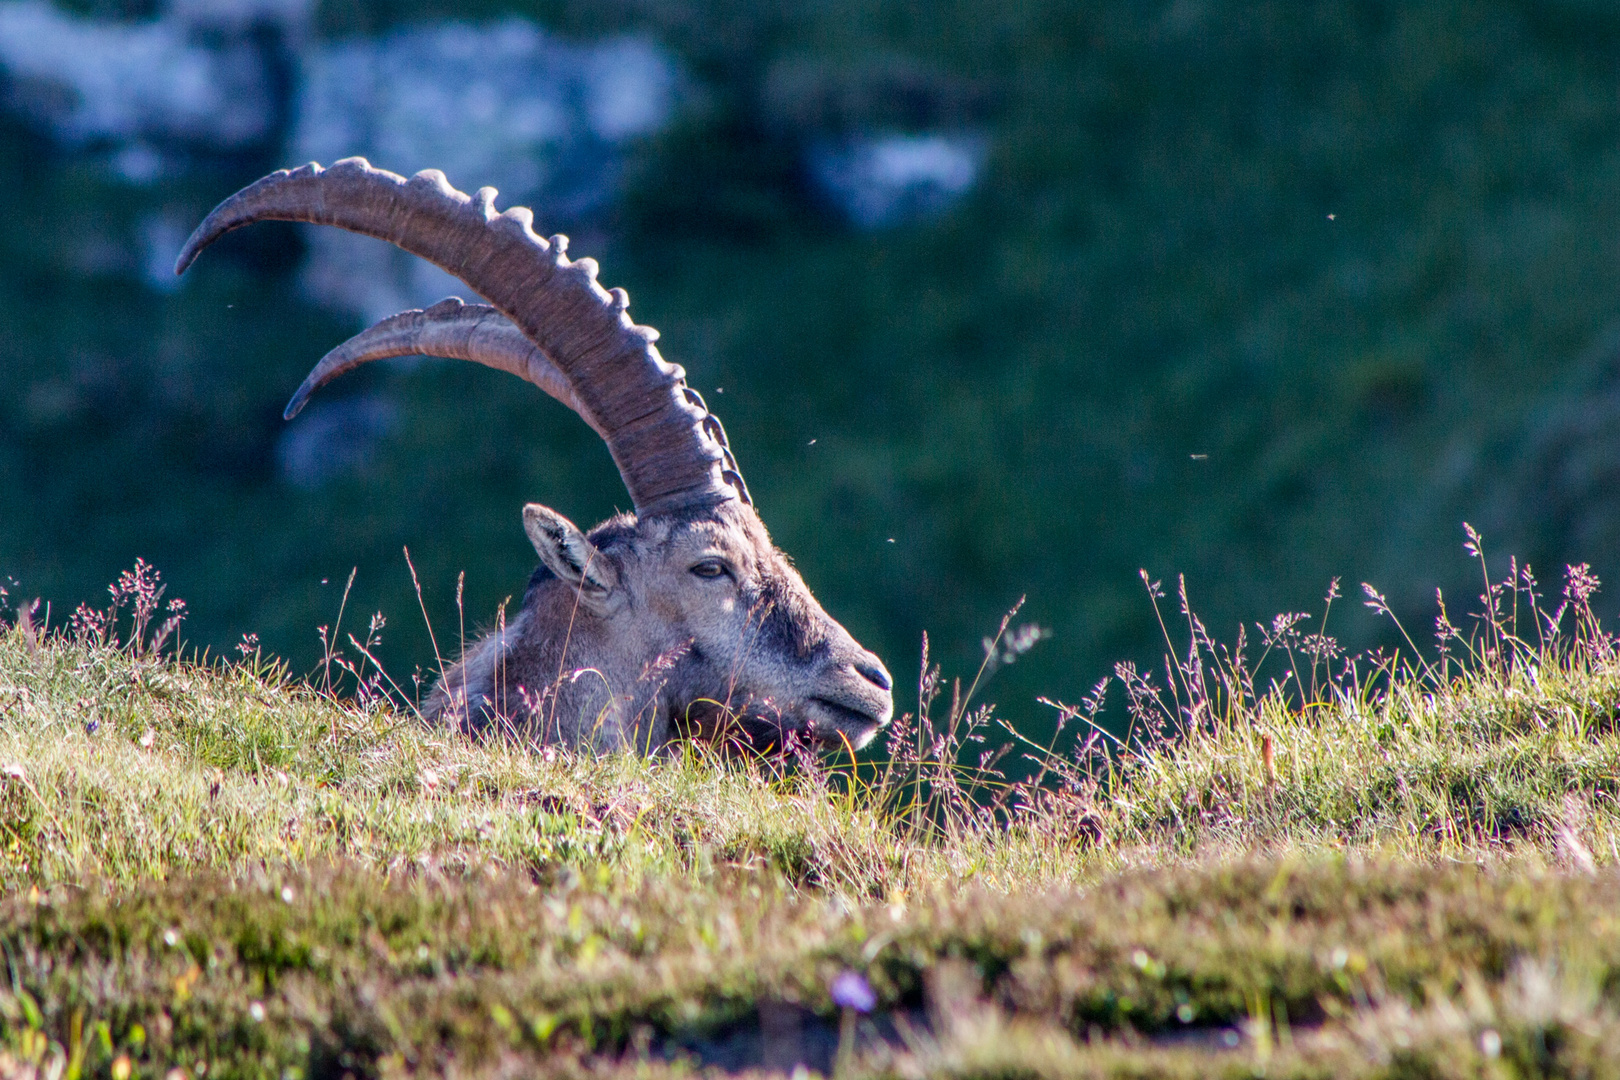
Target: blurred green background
(1261,293)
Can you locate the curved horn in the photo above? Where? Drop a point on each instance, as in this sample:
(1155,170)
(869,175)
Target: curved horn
(452,329)
(670,450)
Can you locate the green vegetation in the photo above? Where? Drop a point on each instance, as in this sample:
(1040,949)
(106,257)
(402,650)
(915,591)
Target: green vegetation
(1013,394)
(1357,254)
(216,867)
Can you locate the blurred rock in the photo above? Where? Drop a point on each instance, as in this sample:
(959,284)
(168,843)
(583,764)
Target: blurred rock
(237,16)
(886,179)
(203,76)
(886,139)
(502,105)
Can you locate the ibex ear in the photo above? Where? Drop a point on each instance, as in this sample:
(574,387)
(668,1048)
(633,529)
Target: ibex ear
(566,553)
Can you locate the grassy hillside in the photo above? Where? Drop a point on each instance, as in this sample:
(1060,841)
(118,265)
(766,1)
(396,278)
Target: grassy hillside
(1386,868)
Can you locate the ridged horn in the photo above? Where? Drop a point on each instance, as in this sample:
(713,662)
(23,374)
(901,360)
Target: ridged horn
(450,329)
(670,450)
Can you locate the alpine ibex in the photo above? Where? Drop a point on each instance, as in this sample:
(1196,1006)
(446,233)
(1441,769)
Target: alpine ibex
(680,617)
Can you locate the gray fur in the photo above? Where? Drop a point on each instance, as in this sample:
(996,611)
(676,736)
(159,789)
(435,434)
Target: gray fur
(665,652)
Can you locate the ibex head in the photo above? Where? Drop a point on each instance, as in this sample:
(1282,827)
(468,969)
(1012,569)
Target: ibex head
(681,616)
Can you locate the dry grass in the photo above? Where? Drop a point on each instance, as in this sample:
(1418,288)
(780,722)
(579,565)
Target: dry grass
(1371,868)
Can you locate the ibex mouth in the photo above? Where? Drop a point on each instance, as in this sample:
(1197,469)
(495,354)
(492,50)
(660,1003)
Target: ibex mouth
(829,723)
(834,723)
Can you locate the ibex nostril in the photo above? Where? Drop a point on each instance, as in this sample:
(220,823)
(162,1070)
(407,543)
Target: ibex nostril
(874,674)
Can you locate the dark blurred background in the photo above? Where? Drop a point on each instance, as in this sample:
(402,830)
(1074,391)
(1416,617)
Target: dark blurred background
(995,298)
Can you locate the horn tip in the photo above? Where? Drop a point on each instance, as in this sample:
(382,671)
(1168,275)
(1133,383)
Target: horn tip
(228,214)
(198,240)
(296,405)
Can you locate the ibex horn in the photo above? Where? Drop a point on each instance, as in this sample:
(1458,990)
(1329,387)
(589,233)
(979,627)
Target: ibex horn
(671,451)
(450,329)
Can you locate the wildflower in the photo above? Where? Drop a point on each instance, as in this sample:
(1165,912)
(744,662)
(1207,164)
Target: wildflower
(1580,584)
(850,990)
(88,626)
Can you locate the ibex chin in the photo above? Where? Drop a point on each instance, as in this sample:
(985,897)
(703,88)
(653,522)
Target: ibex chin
(679,618)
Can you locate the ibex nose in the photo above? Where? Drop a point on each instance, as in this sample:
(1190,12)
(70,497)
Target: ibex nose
(871,669)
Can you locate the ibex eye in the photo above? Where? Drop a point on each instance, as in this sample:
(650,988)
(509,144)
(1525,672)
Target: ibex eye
(710,568)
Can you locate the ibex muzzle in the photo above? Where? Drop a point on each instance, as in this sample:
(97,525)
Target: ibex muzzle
(679,618)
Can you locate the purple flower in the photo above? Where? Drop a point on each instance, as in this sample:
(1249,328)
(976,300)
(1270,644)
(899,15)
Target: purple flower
(850,990)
